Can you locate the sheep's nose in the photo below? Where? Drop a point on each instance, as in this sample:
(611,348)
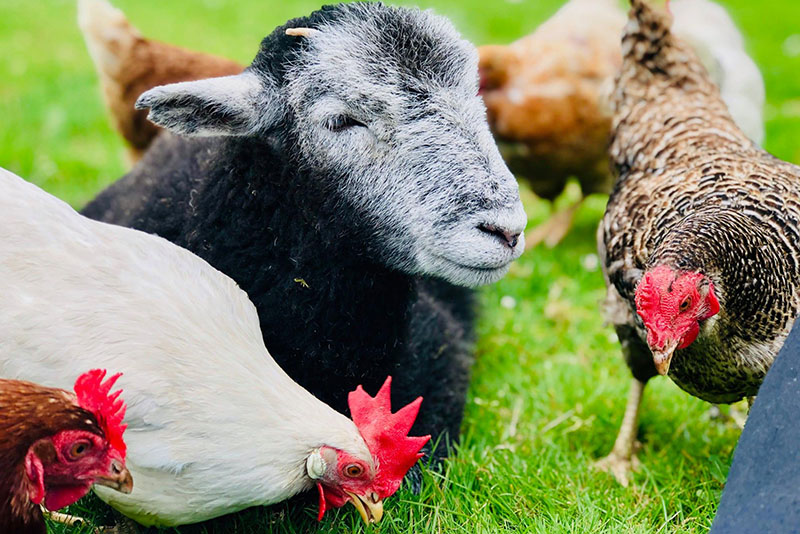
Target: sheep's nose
(508,237)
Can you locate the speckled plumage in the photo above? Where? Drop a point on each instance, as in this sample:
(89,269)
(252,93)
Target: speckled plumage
(695,194)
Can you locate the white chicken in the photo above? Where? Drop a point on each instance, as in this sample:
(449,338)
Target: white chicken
(214,425)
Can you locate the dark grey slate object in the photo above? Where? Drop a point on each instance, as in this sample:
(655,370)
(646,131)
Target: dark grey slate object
(762,494)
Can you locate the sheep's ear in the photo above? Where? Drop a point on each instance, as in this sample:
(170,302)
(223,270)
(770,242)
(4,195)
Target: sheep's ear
(229,105)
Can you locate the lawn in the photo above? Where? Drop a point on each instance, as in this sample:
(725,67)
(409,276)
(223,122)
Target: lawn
(549,386)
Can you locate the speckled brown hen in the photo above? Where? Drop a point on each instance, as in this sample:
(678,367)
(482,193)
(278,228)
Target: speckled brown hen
(700,242)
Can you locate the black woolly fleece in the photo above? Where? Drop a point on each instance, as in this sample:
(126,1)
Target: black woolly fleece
(332,314)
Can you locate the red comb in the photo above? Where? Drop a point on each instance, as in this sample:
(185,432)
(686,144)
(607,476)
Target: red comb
(386,435)
(108,409)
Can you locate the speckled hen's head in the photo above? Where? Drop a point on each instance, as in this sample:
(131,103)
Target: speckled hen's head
(672,304)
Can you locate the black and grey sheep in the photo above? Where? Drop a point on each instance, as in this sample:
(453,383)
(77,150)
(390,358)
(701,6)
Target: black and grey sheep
(347,180)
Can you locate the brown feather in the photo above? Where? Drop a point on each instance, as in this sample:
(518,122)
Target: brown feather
(129,64)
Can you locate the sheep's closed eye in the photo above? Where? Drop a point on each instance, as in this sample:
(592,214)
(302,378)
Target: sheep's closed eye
(340,123)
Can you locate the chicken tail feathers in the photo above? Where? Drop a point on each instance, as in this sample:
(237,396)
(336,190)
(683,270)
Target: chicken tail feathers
(108,35)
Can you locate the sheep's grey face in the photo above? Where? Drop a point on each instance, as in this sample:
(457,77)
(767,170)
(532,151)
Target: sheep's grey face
(409,146)
(383,102)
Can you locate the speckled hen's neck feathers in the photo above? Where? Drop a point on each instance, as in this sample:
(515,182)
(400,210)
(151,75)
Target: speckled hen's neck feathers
(664,98)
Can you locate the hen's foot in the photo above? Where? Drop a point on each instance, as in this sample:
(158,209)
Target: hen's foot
(64,519)
(622,459)
(552,231)
(619,466)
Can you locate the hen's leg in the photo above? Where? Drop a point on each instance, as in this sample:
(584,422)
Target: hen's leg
(552,231)
(622,458)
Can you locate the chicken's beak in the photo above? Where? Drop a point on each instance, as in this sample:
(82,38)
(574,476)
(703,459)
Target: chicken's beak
(369,507)
(120,478)
(663,357)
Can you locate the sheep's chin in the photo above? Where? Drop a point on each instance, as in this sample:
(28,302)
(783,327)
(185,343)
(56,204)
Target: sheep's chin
(467,256)
(461,274)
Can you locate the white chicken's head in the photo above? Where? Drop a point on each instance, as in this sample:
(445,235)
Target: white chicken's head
(343,476)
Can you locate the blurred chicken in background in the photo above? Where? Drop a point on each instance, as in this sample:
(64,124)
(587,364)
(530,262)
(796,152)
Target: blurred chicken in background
(129,64)
(547,94)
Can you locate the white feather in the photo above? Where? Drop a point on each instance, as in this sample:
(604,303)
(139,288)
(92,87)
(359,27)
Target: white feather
(215,425)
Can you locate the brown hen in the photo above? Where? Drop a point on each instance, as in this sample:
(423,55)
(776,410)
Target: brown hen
(54,445)
(546,95)
(129,64)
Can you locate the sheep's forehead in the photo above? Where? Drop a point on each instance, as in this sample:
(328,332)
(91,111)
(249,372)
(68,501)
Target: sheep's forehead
(389,53)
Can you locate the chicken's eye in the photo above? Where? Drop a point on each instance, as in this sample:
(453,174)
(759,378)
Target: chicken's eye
(686,303)
(79,449)
(353,470)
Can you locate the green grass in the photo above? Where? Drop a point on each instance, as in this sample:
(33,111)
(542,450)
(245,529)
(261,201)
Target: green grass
(549,385)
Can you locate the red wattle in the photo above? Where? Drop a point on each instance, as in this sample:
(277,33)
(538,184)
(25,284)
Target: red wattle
(690,336)
(323,505)
(62,496)
(712,302)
